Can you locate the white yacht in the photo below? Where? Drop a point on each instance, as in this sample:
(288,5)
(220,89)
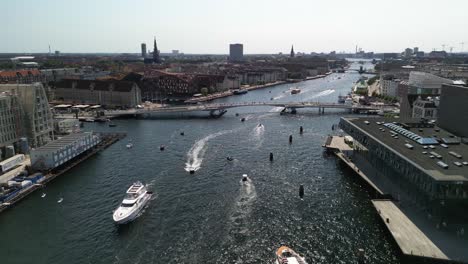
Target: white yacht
(287,255)
(129,145)
(135,200)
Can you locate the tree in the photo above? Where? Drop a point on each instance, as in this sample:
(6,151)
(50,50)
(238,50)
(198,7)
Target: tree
(204,91)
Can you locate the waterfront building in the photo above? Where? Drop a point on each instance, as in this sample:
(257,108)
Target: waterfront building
(159,85)
(408,162)
(108,93)
(66,126)
(62,150)
(236,52)
(424,109)
(11,122)
(453,109)
(37,118)
(143,50)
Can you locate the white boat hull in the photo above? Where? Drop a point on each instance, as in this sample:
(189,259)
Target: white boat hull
(121,219)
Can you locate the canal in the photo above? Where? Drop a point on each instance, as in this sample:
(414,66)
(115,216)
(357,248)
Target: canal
(208,217)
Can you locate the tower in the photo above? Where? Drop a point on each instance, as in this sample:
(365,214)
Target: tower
(156,58)
(292,51)
(143,50)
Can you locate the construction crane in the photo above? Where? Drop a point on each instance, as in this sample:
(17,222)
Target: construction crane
(462,46)
(443,46)
(451,49)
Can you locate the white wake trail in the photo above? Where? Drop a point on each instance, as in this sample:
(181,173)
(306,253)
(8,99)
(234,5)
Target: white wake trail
(197,151)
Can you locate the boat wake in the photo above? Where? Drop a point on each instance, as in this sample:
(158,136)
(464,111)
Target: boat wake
(320,94)
(257,135)
(242,208)
(197,151)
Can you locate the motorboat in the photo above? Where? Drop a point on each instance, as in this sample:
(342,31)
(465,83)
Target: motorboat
(245,177)
(229,158)
(240,91)
(136,198)
(112,124)
(162,147)
(43,195)
(60,200)
(287,255)
(243,119)
(295,91)
(129,145)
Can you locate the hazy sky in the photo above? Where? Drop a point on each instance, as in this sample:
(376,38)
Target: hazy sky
(208,26)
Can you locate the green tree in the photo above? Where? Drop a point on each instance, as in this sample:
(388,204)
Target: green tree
(204,91)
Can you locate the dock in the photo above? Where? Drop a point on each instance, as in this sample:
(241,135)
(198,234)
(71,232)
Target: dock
(337,145)
(107,140)
(411,240)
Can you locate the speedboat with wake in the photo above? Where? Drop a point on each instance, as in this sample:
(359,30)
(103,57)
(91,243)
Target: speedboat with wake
(129,145)
(135,200)
(285,255)
(245,178)
(295,91)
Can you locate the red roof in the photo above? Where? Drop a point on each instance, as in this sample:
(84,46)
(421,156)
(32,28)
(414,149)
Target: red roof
(20,72)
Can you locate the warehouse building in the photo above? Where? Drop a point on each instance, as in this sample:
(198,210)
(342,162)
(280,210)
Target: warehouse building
(63,150)
(108,93)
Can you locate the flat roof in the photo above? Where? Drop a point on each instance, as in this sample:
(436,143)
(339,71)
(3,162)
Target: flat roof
(376,129)
(62,142)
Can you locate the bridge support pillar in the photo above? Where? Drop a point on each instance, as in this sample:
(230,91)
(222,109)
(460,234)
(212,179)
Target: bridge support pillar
(323,110)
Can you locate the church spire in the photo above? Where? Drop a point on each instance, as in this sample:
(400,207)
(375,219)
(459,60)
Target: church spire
(156,58)
(292,51)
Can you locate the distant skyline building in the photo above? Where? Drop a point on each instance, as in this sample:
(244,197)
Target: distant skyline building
(415,50)
(236,52)
(292,52)
(156,58)
(143,50)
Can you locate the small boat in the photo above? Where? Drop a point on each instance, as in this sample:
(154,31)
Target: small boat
(112,124)
(229,158)
(162,147)
(192,171)
(295,91)
(240,91)
(129,145)
(272,98)
(243,119)
(136,198)
(341,99)
(43,195)
(89,120)
(287,255)
(182,133)
(245,177)
(60,200)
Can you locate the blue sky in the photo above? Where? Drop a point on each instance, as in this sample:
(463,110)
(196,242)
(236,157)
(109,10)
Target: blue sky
(208,26)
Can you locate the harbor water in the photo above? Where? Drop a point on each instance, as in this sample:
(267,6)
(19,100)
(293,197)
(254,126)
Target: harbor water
(209,216)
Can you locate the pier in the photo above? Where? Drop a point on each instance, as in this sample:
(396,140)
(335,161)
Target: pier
(411,240)
(107,140)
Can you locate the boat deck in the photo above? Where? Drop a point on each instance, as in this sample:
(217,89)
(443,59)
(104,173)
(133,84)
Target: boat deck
(411,240)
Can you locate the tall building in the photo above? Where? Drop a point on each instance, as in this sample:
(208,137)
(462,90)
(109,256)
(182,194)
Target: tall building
(236,52)
(408,52)
(143,50)
(10,120)
(292,52)
(156,58)
(37,118)
(453,109)
(415,50)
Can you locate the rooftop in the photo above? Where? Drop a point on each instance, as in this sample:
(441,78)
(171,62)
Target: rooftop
(62,142)
(414,145)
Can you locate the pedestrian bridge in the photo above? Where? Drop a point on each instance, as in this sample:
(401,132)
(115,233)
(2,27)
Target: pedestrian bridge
(215,109)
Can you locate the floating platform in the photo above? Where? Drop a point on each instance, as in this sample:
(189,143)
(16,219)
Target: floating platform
(411,240)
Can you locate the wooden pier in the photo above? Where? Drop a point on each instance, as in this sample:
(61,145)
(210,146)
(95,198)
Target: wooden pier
(411,240)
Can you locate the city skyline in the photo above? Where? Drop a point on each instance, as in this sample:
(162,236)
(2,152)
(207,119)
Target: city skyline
(208,27)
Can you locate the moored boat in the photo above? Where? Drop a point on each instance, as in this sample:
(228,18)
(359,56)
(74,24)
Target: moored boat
(240,91)
(136,198)
(285,255)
